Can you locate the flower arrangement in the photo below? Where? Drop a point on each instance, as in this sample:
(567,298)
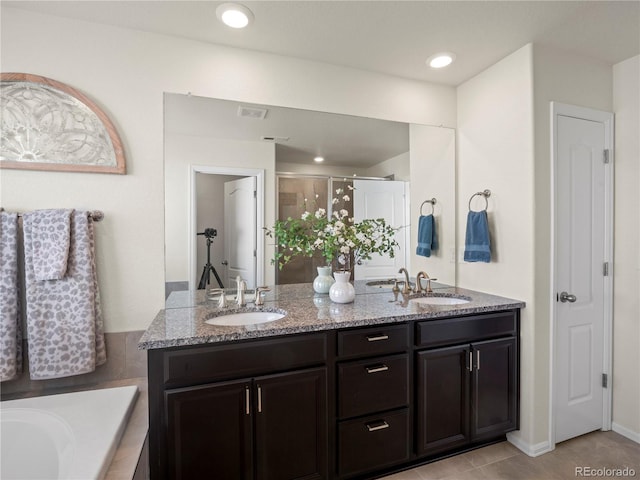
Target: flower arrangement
(336,236)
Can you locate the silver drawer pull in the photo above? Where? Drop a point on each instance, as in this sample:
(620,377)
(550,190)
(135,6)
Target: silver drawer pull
(381,368)
(377,338)
(379,426)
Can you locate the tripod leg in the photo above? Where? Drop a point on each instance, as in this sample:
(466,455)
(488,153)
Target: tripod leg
(217,276)
(204,279)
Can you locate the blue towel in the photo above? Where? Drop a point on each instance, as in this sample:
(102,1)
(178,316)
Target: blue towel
(476,243)
(427,239)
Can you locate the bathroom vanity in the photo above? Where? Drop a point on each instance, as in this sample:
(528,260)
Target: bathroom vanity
(330,391)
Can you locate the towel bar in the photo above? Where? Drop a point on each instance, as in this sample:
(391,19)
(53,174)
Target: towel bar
(433,201)
(95,215)
(486,194)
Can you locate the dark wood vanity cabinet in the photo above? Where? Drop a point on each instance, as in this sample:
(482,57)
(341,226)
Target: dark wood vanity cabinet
(468,392)
(343,404)
(374,399)
(271,426)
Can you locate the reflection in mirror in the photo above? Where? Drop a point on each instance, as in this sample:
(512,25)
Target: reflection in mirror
(228,140)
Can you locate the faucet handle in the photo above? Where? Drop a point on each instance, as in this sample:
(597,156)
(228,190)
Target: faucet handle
(222,302)
(259,297)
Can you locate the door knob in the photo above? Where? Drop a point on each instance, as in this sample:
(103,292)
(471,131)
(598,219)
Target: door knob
(567,297)
(224,262)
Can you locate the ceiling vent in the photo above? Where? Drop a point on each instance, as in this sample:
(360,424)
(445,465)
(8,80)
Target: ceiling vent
(252,112)
(268,138)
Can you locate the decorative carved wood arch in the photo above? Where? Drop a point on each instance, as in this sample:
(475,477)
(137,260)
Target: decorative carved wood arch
(47,125)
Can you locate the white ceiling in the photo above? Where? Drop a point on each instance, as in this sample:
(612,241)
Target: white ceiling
(391,37)
(340,139)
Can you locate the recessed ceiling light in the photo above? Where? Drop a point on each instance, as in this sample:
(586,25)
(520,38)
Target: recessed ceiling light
(318,159)
(234,15)
(440,60)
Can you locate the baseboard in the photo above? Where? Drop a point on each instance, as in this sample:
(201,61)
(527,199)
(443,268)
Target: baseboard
(530,450)
(625,432)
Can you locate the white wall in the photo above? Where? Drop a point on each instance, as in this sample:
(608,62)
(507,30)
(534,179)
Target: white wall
(566,78)
(432,158)
(626,314)
(182,151)
(397,166)
(495,152)
(126,72)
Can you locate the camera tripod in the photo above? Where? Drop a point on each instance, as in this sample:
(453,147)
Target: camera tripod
(205,279)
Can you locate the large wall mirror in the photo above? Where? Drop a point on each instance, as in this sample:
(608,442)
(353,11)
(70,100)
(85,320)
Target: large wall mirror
(232,168)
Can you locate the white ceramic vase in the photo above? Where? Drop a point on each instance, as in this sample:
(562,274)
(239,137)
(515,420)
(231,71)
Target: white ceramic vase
(342,291)
(322,283)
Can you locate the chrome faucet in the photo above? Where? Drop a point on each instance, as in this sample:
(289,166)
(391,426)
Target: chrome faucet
(407,285)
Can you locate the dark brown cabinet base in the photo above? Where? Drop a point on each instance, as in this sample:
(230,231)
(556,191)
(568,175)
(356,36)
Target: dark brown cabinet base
(346,404)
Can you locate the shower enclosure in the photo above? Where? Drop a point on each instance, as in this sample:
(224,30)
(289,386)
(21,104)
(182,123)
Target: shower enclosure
(297,193)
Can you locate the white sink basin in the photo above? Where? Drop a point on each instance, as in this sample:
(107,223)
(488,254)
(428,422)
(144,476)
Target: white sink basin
(244,318)
(437,300)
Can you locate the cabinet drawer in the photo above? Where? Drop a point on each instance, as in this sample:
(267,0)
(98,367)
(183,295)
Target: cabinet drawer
(373,341)
(191,366)
(450,331)
(372,385)
(373,442)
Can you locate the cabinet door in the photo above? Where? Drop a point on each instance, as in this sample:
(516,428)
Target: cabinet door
(209,431)
(291,425)
(495,388)
(443,399)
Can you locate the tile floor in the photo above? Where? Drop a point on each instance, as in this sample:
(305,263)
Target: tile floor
(597,450)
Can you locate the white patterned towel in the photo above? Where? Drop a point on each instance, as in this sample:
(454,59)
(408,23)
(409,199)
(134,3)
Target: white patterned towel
(10,334)
(64,320)
(50,237)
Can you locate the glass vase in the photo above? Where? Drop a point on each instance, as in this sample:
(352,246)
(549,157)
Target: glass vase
(322,283)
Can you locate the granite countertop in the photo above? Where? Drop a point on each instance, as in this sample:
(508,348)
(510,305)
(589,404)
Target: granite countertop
(306,312)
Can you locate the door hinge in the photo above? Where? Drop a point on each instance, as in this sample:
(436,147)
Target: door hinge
(605,269)
(255,194)
(605,381)
(605,155)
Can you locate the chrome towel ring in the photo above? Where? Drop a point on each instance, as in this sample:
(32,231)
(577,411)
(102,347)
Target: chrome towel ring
(486,194)
(433,201)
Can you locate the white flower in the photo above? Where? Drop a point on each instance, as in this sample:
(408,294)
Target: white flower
(350,187)
(318,242)
(340,240)
(305,215)
(336,214)
(338,191)
(317,195)
(346,198)
(321,213)
(334,201)
(344,213)
(344,249)
(339,225)
(351,244)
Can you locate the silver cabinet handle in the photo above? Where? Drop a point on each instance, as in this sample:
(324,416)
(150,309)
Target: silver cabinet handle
(471,361)
(380,426)
(477,359)
(377,338)
(224,262)
(381,368)
(259,399)
(247,400)
(567,297)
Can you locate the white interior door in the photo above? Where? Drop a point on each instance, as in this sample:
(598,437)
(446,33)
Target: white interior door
(381,199)
(240,231)
(580,210)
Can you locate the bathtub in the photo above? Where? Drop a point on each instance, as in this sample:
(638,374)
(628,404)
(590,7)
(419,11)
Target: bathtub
(66,436)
